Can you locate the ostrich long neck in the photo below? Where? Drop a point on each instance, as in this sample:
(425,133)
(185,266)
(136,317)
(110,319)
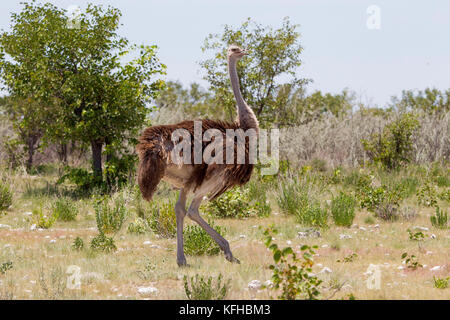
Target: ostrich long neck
(246,117)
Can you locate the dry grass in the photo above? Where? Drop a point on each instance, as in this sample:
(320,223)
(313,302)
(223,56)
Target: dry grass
(41,257)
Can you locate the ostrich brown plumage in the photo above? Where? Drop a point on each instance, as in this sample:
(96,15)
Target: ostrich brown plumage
(203,179)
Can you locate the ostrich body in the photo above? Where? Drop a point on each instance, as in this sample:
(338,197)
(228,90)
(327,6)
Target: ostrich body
(155,164)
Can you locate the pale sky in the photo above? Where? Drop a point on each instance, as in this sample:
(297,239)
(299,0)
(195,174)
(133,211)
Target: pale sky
(410,51)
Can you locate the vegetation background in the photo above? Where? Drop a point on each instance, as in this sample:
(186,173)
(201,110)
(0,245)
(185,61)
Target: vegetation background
(358,185)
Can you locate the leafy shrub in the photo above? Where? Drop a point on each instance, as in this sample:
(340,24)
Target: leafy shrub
(343,209)
(439,219)
(349,258)
(109,219)
(381,200)
(103,243)
(198,242)
(5,267)
(196,288)
(393,147)
(236,203)
(162,220)
(83,179)
(291,274)
(5,197)
(78,244)
(427,195)
(64,209)
(42,220)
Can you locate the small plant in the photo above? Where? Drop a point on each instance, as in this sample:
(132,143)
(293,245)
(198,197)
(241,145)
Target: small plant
(411,261)
(197,288)
(109,219)
(198,242)
(441,283)
(439,219)
(5,197)
(103,243)
(343,209)
(42,220)
(148,271)
(65,210)
(291,274)
(54,287)
(349,258)
(5,267)
(416,236)
(162,220)
(78,244)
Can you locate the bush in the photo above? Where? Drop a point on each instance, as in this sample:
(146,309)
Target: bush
(199,289)
(42,220)
(198,242)
(312,215)
(292,195)
(343,209)
(427,195)
(373,198)
(78,244)
(291,274)
(393,147)
(236,203)
(64,209)
(439,219)
(109,219)
(162,220)
(5,197)
(103,243)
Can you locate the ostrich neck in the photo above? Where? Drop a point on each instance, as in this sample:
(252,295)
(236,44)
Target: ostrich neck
(247,118)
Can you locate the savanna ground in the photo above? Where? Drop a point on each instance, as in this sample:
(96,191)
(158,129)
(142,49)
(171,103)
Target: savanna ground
(41,257)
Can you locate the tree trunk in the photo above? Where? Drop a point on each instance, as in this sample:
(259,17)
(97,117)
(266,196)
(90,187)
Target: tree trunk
(97,159)
(31,146)
(62,153)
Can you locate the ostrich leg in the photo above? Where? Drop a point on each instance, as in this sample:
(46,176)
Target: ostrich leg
(180,211)
(194,214)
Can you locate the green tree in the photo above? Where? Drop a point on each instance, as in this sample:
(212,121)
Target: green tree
(393,147)
(274,54)
(27,123)
(93,95)
(430,100)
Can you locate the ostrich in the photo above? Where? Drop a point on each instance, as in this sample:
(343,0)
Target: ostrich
(155,164)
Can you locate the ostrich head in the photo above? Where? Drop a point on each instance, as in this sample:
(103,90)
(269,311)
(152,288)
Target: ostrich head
(235,52)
